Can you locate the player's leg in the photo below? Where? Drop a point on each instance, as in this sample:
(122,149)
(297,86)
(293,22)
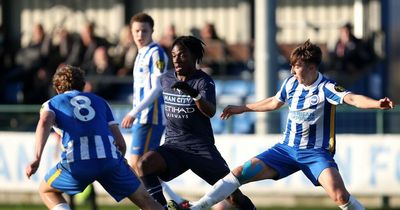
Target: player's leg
(171,195)
(153,167)
(59,180)
(120,182)
(143,200)
(52,198)
(145,137)
(227,187)
(275,163)
(133,160)
(321,169)
(149,167)
(333,184)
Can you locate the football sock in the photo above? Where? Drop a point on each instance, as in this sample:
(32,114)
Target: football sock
(170,193)
(352,204)
(221,190)
(154,188)
(243,202)
(61,206)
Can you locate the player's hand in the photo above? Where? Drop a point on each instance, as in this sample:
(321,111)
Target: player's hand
(127,121)
(231,110)
(32,168)
(386,103)
(185,87)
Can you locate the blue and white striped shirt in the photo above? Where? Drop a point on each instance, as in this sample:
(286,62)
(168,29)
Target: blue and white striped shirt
(82,120)
(150,63)
(311,117)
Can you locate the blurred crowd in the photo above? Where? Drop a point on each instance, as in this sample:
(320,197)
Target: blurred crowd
(26,76)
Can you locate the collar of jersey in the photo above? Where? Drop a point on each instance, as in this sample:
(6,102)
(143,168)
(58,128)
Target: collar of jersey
(147,47)
(315,84)
(71,91)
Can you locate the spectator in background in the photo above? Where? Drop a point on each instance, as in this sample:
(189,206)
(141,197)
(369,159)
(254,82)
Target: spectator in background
(101,65)
(350,56)
(61,47)
(166,41)
(214,61)
(32,60)
(209,33)
(123,54)
(83,49)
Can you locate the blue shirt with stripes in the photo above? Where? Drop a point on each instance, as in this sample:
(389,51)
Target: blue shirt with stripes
(311,117)
(82,120)
(151,62)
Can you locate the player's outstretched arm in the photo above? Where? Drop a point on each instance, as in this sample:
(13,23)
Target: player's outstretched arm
(268,104)
(43,128)
(364,102)
(232,110)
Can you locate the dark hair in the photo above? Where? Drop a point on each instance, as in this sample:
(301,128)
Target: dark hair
(142,18)
(68,77)
(348,26)
(308,52)
(193,44)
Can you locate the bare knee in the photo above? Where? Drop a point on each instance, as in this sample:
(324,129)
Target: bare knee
(143,166)
(149,163)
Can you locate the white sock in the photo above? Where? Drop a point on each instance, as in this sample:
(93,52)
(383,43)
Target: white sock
(352,204)
(221,190)
(61,206)
(170,193)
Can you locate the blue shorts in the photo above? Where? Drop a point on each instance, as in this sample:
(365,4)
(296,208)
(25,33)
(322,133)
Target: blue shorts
(287,160)
(145,137)
(114,175)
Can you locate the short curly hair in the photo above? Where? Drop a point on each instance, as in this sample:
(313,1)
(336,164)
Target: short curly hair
(67,78)
(193,44)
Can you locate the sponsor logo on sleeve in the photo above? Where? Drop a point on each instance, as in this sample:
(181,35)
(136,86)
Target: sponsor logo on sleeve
(160,65)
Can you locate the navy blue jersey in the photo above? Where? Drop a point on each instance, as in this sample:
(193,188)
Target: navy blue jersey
(186,125)
(83,121)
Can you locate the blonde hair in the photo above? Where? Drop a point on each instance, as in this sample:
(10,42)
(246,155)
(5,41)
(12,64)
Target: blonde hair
(67,78)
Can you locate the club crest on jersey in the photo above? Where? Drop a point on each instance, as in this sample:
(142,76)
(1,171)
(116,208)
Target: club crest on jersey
(314,99)
(178,90)
(160,65)
(339,88)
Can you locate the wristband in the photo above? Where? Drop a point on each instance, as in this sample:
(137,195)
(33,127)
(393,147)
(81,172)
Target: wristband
(198,97)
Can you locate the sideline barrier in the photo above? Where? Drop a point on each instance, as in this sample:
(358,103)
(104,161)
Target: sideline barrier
(369,164)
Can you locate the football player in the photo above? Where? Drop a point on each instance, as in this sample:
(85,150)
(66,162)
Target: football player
(308,143)
(93,146)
